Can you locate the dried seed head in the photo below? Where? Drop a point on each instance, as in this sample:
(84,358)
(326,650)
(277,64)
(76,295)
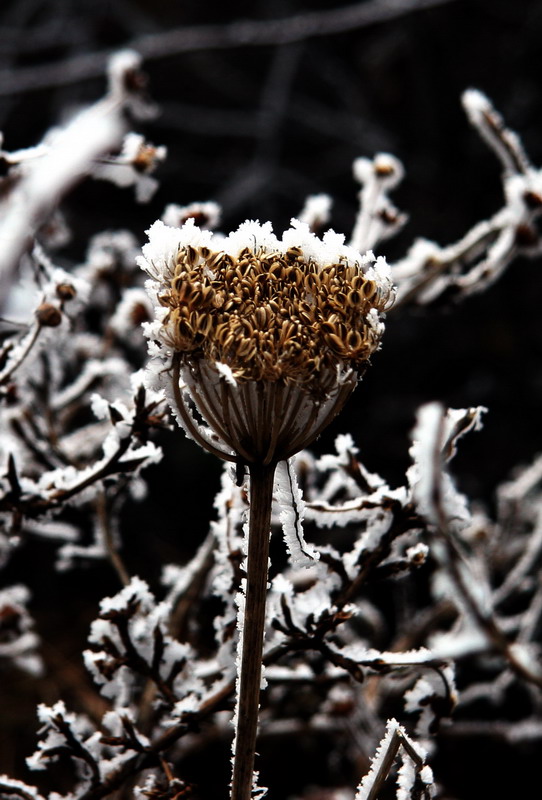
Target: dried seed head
(300,315)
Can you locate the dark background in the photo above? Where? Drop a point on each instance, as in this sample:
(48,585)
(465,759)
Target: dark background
(257,128)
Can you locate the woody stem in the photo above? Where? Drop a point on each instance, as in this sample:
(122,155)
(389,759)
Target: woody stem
(261,494)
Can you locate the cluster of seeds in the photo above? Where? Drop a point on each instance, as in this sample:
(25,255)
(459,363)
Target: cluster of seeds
(272,316)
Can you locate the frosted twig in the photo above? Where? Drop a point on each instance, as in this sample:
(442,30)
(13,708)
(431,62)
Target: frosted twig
(92,133)
(67,156)
(377,218)
(19,354)
(513,493)
(59,488)
(432,435)
(529,558)
(489,123)
(10,788)
(394,739)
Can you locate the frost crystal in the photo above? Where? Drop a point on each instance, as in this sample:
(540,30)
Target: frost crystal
(292,511)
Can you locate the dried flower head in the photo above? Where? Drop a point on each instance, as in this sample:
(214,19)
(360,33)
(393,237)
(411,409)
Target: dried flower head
(269,335)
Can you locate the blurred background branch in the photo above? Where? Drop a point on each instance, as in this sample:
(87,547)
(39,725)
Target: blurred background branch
(193,38)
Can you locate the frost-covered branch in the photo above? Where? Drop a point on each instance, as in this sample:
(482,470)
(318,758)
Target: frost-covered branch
(445,508)
(415,777)
(478,259)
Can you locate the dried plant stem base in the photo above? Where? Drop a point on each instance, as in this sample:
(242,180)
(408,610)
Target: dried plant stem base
(261,493)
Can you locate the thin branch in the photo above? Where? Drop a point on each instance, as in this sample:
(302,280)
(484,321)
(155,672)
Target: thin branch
(108,539)
(195,38)
(16,362)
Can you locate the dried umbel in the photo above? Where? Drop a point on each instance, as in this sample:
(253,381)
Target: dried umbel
(268,335)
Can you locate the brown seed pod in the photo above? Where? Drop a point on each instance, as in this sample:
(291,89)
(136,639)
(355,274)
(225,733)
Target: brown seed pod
(191,255)
(353,298)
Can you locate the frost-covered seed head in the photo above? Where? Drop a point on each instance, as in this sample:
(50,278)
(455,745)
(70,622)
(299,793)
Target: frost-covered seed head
(298,312)
(270,313)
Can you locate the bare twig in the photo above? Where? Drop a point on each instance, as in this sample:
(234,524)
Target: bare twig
(108,539)
(245,33)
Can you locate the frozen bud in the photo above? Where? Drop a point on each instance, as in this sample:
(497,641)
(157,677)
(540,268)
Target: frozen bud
(388,169)
(526,236)
(532,200)
(147,156)
(417,554)
(139,314)
(128,83)
(205,215)
(65,291)
(9,620)
(125,75)
(316,212)
(269,335)
(48,315)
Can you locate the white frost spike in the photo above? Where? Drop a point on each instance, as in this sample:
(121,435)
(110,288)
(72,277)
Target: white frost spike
(258,792)
(226,373)
(292,513)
